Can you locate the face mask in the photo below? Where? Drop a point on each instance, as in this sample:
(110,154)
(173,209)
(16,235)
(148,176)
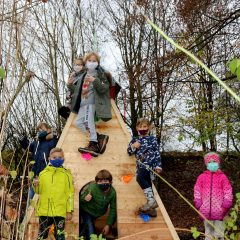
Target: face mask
(77,68)
(104,186)
(57,162)
(143,132)
(213,166)
(42,135)
(91,65)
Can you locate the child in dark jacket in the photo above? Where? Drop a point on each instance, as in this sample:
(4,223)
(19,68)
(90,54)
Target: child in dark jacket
(40,148)
(65,110)
(213,196)
(146,150)
(95,201)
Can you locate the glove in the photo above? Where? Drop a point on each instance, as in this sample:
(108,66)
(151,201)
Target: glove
(24,142)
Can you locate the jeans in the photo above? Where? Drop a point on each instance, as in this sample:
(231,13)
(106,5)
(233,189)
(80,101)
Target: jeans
(87,227)
(46,222)
(85,121)
(143,178)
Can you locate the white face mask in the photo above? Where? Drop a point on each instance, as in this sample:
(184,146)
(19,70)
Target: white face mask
(91,65)
(77,68)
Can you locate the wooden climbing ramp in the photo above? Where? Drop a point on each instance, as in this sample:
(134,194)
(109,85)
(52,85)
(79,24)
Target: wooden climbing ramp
(129,195)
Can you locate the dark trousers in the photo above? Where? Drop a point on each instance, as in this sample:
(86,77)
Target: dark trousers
(143,178)
(87,226)
(46,222)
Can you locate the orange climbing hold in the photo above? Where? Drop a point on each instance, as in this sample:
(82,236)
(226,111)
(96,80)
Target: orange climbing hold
(51,229)
(127,178)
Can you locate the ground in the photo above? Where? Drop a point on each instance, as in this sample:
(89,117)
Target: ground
(181,170)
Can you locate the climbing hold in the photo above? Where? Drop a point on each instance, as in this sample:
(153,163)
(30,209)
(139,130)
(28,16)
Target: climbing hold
(86,156)
(145,217)
(51,229)
(127,178)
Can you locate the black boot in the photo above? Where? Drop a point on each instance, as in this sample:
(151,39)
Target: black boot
(92,148)
(102,142)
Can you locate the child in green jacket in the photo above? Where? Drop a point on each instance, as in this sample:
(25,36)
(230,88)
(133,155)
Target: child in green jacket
(95,201)
(56,196)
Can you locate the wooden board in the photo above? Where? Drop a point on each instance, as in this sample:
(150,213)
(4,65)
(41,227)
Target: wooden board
(115,159)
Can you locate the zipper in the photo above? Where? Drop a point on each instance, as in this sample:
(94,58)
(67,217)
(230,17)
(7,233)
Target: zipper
(48,206)
(50,200)
(36,148)
(211,196)
(53,174)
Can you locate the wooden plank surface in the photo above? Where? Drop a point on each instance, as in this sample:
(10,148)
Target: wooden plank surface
(115,159)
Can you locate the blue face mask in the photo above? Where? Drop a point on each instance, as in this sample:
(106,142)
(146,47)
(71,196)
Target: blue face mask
(57,162)
(213,166)
(42,135)
(104,186)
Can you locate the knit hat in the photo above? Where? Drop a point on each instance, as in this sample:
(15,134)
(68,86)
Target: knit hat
(211,156)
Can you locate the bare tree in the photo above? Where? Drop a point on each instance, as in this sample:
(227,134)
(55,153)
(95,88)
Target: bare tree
(144,54)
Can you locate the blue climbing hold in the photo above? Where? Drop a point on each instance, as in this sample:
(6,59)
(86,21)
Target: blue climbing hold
(145,217)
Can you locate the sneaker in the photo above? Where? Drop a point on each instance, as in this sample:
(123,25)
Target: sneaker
(102,142)
(148,206)
(92,148)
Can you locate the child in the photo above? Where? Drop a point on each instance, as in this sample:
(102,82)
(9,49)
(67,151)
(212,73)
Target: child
(72,81)
(146,150)
(64,111)
(40,148)
(56,196)
(213,196)
(91,97)
(94,202)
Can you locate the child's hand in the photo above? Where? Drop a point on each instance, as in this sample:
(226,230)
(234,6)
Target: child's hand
(105,230)
(69,216)
(89,78)
(71,78)
(88,197)
(36,181)
(158,170)
(136,144)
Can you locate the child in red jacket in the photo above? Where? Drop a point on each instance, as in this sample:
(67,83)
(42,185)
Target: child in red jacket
(213,196)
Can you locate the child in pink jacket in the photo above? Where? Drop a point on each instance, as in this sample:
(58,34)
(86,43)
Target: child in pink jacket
(213,196)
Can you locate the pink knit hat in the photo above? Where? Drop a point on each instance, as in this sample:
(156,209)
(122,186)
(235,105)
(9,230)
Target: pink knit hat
(211,156)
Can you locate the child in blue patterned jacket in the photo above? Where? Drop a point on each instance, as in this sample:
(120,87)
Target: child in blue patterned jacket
(146,150)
